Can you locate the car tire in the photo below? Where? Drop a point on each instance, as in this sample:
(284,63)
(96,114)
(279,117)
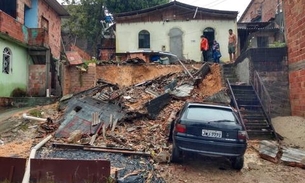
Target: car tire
(238,162)
(176,155)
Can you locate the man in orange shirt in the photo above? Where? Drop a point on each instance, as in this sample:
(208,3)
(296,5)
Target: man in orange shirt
(204,46)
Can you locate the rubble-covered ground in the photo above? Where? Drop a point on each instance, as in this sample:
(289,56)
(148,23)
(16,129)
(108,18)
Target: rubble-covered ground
(150,135)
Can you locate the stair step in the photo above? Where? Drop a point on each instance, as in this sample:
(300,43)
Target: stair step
(251,111)
(245,87)
(267,136)
(259,119)
(257,128)
(244,102)
(250,106)
(244,91)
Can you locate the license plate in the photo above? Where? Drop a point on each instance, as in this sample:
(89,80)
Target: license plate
(212,133)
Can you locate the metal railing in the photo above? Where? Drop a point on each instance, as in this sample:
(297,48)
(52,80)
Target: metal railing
(263,94)
(236,106)
(264,99)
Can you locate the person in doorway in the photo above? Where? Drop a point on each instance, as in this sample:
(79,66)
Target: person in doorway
(232,45)
(216,51)
(204,47)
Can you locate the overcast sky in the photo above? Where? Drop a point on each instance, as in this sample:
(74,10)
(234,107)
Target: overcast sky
(233,5)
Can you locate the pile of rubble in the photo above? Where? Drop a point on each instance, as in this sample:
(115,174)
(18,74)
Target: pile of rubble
(134,119)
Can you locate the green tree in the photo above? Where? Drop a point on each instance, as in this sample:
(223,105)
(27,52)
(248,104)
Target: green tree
(86,15)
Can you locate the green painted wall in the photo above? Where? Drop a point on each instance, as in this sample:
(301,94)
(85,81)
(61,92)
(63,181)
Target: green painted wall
(20,61)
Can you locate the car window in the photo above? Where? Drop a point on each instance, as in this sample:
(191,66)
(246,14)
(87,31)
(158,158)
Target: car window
(209,114)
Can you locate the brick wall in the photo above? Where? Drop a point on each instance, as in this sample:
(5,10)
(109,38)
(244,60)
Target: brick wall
(295,39)
(54,27)
(37,80)
(268,10)
(11,27)
(20,9)
(75,81)
(81,52)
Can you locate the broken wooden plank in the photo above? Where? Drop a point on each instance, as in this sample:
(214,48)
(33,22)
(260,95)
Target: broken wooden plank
(114,124)
(293,157)
(269,150)
(78,146)
(117,151)
(116,140)
(203,71)
(94,136)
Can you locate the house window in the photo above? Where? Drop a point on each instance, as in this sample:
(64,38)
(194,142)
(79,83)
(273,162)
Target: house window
(144,39)
(45,24)
(7,61)
(262,41)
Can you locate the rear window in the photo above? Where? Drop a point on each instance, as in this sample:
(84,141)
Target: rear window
(208,114)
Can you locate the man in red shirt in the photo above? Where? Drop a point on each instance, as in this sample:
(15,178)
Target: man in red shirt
(204,47)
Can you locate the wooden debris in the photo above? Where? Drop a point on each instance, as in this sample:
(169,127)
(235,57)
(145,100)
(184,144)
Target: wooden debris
(294,157)
(95,119)
(116,151)
(269,150)
(75,136)
(114,124)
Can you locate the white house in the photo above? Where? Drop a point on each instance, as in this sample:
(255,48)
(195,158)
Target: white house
(174,27)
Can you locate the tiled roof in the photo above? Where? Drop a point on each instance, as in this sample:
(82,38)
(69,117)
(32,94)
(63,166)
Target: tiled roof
(74,58)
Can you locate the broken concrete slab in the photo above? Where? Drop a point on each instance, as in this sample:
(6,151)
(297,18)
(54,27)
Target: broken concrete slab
(293,157)
(157,104)
(269,150)
(182,91)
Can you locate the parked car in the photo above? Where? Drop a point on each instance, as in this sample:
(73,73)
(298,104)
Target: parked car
(211,130)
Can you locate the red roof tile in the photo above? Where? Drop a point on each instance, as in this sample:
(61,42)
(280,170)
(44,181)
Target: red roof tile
(74,58)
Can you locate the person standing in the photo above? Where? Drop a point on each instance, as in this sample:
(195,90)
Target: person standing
(216,51)
(204,47)
(232,45)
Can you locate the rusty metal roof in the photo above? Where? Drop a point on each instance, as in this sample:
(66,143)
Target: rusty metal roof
(231,14)
(74,58)
(78,115)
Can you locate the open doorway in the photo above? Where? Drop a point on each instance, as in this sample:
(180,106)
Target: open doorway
(210,35)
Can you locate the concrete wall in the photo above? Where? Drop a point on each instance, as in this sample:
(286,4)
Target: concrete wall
(18,77)
(272,67)
(243,71)
(295,39)
(127,35)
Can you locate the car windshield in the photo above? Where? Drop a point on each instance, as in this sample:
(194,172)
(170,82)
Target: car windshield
(209,114)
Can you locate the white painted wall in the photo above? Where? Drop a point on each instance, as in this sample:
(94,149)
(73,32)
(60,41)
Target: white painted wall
(127,35)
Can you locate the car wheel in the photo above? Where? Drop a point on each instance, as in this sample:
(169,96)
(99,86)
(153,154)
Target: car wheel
(238,162)
(176,155)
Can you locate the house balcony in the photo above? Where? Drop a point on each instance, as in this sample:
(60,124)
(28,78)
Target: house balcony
(11,29)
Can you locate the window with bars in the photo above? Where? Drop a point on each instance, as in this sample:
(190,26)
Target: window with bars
(7,61)
(144,39)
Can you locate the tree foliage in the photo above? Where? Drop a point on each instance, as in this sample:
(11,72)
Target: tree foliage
(86,15)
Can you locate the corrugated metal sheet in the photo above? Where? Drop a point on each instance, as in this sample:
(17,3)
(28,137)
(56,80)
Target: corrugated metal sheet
(79,114)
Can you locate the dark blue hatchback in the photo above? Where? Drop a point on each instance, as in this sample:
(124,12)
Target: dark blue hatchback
(211,130)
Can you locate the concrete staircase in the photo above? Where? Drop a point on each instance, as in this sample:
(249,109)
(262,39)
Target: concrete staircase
(254,117)
(255,120)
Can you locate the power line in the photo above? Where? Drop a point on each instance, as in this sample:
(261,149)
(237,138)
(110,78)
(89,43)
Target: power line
(218,3)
